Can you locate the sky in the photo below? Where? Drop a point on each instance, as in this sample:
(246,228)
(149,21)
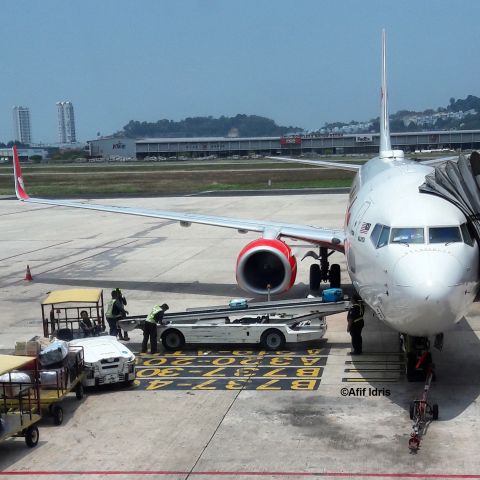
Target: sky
(300,63)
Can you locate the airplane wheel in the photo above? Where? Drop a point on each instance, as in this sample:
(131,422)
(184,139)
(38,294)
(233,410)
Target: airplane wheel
(315,277)
(435,411)
(412,410)
(80,391)
(32,436)
(335,280)
(273,340)
(173,339)
(57,413)
(411,371)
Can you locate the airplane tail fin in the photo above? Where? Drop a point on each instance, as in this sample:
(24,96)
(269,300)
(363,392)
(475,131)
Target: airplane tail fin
(17,171)
(385,143)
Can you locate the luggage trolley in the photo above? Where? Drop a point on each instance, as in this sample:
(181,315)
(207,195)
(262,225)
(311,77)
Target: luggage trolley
(19,399)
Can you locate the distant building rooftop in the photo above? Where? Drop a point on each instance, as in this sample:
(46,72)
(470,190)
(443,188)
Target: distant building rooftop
(201,139)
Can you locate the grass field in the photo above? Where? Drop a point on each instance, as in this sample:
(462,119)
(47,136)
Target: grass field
(178,178)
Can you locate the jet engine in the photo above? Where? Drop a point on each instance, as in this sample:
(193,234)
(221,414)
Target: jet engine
(266,262)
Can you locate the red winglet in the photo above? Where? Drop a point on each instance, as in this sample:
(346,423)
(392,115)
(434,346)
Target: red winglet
(17,170)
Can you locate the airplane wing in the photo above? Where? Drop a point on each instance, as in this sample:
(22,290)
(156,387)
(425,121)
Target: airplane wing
(321,163)
(331,238)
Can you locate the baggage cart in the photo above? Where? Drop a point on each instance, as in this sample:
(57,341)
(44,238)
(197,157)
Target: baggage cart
(19,400)
(57,381)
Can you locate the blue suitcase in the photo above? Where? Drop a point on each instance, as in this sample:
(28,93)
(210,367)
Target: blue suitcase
(333,295)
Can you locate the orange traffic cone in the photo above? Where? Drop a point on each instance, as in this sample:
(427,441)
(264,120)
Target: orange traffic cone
(28,275)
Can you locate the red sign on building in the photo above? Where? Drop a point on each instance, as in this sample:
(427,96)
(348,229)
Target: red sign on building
(291,141)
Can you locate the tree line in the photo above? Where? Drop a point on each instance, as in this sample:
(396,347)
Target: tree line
(238,126)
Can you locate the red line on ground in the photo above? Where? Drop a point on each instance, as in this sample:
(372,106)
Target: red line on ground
(249,474)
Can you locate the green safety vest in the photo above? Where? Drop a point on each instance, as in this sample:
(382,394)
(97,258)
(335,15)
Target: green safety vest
(362,311)
(110,305)
(151,315)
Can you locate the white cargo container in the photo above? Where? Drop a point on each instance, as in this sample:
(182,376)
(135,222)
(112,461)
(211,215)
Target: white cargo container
(106,361)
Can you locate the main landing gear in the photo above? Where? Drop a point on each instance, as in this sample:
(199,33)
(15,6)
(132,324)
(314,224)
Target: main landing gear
(323,271)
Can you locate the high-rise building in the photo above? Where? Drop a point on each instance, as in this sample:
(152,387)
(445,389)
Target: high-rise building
(21,124)
(66,123)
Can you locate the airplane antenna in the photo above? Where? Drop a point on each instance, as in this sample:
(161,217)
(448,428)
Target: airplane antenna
(385,145)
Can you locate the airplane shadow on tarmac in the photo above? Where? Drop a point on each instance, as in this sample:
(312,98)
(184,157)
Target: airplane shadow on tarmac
(457,368)
(457,382)
(193,288)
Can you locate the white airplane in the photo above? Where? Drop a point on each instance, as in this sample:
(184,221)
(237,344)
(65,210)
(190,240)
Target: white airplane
(411,256)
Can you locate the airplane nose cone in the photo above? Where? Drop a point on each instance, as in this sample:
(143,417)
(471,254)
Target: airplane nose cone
(427,293)
(428,271)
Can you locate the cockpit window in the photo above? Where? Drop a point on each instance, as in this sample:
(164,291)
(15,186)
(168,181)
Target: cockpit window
(380,235)
(444,235)
(407,235)
(467,235)
(375,235)
(383,240)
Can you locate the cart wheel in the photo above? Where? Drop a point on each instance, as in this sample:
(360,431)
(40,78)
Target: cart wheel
(273,339)
(57,412)
(435,411)
(80,391)
(412,410)
(173,339)
(31,436)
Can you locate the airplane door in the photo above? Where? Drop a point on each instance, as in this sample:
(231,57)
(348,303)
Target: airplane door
(359,217)
(357,256)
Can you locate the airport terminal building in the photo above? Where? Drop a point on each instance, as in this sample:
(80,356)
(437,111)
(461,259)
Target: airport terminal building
(326,144)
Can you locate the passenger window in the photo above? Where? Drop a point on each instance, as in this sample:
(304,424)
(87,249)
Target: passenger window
(467,235)
(407,235)
(375,235)
(383,240)
(444,235)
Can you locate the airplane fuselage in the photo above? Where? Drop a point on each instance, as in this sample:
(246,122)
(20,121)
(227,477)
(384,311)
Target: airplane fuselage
(409,254)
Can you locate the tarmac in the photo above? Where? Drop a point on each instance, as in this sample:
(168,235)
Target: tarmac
(313,411)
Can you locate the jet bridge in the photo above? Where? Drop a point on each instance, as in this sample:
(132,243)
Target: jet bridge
(458,182)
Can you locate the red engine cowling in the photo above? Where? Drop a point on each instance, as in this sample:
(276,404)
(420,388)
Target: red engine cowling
(266,262)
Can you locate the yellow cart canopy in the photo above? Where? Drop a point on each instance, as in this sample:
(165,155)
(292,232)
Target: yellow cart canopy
(74,295)
(12,362)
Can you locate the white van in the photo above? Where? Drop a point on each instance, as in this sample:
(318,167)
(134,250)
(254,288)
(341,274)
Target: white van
(106,361)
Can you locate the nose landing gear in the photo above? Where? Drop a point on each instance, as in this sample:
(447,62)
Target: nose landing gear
(418,357)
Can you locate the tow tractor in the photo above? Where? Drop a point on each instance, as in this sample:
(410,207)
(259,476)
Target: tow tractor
(421,411)
(272,324)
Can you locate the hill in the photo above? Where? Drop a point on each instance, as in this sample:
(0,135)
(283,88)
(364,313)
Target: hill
(461,114)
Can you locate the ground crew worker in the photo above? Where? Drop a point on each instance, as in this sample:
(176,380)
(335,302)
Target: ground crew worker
(355,323)
(87,326)
(150,329)
(123,300)
(115,312)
